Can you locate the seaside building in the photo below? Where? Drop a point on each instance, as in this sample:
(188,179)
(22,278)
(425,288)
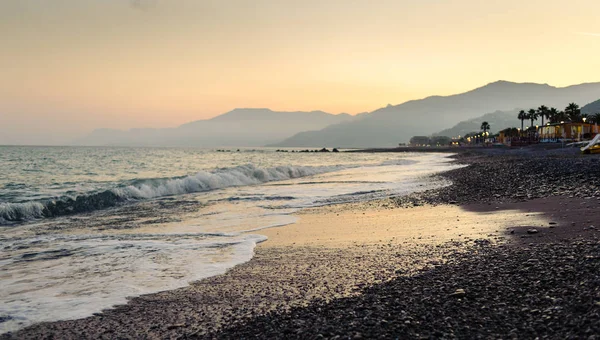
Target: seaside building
(549,133)
(507,135)
(567,131)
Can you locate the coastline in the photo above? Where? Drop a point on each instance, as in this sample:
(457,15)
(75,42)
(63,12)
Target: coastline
(337,254)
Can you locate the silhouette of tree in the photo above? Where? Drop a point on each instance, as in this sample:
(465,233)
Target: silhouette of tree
(584,115)
(485,126)
(522,116)
(572,111)
(532,115)
(543,112)
(553,115)
(596,118)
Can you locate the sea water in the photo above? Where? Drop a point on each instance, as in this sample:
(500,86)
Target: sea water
(84,228)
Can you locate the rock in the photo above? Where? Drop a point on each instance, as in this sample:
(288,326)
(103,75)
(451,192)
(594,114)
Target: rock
(178,325)
(532,231)
(458,293)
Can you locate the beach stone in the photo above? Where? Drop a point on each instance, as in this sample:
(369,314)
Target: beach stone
(532,231)
(458,293)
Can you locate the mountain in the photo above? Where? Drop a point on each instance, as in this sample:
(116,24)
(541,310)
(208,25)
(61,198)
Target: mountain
(498,120)
(240,127)
(591,108)
(397,123)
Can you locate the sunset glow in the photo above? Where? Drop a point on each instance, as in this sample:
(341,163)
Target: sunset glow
(82,64)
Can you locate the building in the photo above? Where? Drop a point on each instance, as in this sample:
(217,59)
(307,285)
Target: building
(567,131)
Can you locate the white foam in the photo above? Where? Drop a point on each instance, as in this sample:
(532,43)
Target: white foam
(74,276)
(14,211)
(200,182)
(232,177)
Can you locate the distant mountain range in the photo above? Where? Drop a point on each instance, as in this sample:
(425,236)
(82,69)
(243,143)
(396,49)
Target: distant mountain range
(384,127)
(393,124)
(498,120)
(240,127)
(591,108)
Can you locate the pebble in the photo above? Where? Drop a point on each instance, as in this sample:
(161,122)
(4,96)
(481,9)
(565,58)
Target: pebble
(458,293)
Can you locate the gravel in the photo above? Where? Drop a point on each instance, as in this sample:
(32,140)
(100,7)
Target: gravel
(547,290)
(513,177)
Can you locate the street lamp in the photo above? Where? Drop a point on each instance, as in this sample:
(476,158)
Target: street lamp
(583,128)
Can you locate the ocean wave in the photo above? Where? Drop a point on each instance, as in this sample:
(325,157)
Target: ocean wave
(154,188)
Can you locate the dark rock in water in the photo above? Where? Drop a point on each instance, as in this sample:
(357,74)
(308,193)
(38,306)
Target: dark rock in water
(83,203)
(324,150)
(532,231)
(335,150)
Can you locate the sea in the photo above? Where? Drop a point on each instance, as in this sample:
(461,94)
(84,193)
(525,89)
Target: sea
(83,229)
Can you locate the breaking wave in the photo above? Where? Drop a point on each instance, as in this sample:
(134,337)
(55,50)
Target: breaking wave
(153,188)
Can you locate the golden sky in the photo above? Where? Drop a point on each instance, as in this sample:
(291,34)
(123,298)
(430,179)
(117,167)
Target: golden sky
(74,65)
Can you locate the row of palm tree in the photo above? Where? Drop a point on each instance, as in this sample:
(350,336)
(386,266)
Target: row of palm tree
(571,113)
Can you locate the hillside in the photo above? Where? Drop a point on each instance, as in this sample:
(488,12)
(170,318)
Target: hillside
(591,108)
(498,120)
(240,127)
(393,124)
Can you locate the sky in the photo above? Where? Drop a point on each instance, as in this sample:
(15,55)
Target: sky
(69,66)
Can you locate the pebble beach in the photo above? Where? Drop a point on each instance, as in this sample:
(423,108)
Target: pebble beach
(510,250)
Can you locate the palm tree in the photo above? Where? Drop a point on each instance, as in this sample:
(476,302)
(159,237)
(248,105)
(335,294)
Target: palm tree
(522,116)
(573,111)
(532,115)
(485,126)
(544,112)
(553,114)
(584,115)
(596,118)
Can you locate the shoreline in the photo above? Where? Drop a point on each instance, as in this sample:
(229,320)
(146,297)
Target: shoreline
(336,253)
